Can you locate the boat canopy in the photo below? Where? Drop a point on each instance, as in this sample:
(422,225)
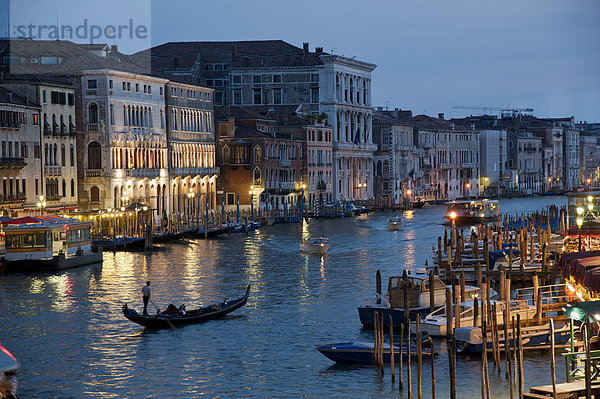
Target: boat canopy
(588,311)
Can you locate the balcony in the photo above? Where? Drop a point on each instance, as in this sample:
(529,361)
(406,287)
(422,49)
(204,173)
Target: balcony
(285,162)
(47,129)
(93,127)
(50,198)
(13,198)
(72,129)
(52,170)
(12,163)
(194,171)
(321,186)
(10,125)
(287,185)
(140,173)
(93,173)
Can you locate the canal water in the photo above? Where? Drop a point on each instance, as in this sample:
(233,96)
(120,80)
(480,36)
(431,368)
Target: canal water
(69,334)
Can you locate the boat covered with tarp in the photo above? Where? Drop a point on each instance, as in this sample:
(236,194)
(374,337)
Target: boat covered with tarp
(175,317)
(362,352)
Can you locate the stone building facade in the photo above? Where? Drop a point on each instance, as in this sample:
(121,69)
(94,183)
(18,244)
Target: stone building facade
(191,148)
(21,156)
(58,139)
(526,158)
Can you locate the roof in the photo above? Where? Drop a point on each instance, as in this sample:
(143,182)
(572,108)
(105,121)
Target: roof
(430,123)
(583,311)
(8,97)
(254,53)
(44,220)
(73,58)
(379,118)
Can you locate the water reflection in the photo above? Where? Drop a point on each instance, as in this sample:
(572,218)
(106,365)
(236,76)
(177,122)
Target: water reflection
(265,349)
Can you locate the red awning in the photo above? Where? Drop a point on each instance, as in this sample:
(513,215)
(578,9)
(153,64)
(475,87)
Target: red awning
(23,220)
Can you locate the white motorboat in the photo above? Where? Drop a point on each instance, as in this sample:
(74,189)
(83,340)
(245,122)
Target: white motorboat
(435,323)
(315,245)
(395,223)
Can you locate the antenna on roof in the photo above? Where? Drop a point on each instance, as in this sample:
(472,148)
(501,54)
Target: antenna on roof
(57,28)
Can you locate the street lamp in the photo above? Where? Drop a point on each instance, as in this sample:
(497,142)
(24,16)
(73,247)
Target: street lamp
(468,186)
(302,202)
(190,196)
(579,223)
(251,203)
(41,204)
(124,200)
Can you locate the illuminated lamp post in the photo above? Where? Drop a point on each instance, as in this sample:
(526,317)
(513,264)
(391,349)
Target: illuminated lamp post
(41,204)
(468,186)
(579,223)
(251,203)
(190,196)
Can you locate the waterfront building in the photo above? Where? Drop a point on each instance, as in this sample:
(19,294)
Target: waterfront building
(494,158)
(21,162)
(455,169)
(58,139)
(525,158)
(590,159)
(258,163)
(191,148)
(275,73)
(394,169)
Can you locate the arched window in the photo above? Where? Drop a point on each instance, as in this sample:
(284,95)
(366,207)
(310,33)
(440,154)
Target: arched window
(64,188)
(72,188)
(72,156)
(225,154)
(94,194)
(54,159)
(94,155)
(257,181)
(257,154)
(63,155)
(93,113)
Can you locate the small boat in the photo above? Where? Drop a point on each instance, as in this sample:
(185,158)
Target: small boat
(8,368)
(395,223)
(210,233)
(469,339)
(435,323)
(166,320)
(472,212)
(392,304)
(362,352)
(315,245)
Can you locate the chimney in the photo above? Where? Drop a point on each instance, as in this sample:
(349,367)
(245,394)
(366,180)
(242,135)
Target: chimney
(234,52)
(319,50)
(114,48)
(441,116)
(305,47)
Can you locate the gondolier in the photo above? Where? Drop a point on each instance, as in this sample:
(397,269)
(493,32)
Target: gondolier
(146,296)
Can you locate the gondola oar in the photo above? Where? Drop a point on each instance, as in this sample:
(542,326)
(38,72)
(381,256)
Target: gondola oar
(164,317)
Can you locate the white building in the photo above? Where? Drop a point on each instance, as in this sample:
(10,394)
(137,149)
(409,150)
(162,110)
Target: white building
(493,152)
(345,94)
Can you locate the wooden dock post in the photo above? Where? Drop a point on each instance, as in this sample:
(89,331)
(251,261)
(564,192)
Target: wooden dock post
(478,273)
(485,387)
(502,282)
(507,350)
(376,338)
(431,292)
(400,377)
(381,340)
(553,364)
(544,264)
(462,286)
(408,368)
(419,359)
(520,357)
(432,370)
(378,286)
(448,312)
(455,289)
(439,254)
(475,311)
(452,365)
(392,360)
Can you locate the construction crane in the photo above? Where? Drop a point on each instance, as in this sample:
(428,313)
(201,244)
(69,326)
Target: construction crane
(504,111)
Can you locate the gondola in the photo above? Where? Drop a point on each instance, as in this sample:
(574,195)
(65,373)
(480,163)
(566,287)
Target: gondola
(164,320)
(201,233)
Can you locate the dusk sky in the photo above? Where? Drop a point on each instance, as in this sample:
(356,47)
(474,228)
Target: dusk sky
(430,55)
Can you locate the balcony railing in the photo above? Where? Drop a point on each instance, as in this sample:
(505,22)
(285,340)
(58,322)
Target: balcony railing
(12,163)
(194,171)
(93,172)
(287,185)
(13,198)
(72,129)
(52,170)
(321,186)
(285,162)
(93,127)
(150,173)
(54,197)
(10,125)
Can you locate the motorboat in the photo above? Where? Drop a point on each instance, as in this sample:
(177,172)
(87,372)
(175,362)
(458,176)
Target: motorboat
(435,323)
(392,303)
(315,245)
(363,352)
(8,368)
(469,339)
(395,223)
(472,212)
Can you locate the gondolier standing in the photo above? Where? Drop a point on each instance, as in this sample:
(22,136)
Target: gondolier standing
(146,294)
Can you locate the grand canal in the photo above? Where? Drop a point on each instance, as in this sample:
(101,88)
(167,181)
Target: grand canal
(69,334)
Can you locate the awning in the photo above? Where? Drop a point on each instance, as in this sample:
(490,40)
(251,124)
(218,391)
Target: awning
(583,311)
(583,267)
(23,220)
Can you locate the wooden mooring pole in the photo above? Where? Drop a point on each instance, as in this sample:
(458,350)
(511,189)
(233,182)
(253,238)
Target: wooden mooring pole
(392,360)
